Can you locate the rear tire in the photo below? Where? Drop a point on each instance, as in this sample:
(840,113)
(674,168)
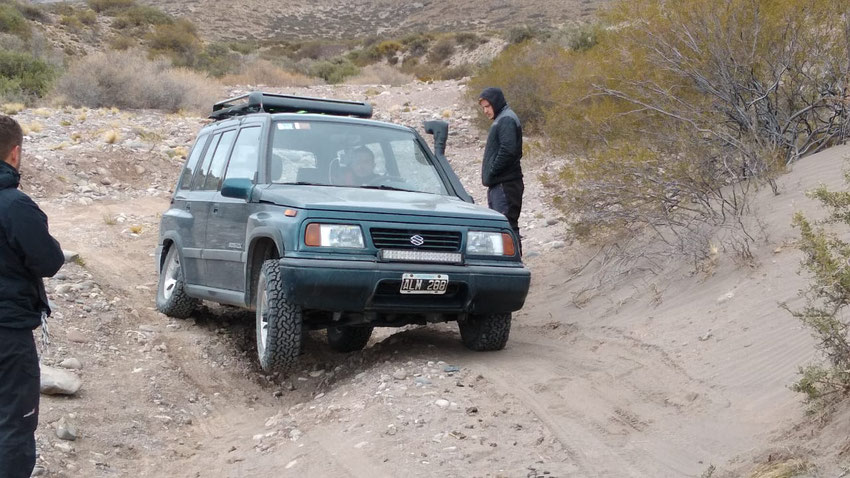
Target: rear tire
(348,339)
(279,322)
(485,332)
(171,297)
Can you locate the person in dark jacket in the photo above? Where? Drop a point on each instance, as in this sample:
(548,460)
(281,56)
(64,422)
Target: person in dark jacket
(27,253)
(501,171)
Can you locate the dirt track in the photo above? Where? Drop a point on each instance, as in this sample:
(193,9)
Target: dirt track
(644,375)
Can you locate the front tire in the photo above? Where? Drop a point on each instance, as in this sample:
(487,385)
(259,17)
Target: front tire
(279,322)
(348,339)
(485,332)
(171,297)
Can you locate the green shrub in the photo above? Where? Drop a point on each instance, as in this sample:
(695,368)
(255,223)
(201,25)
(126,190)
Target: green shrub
(87,16)
(243,47)
(827,260)
(31,12)
(469,40)
(522,34)
(110,6)
(178,41)
(218,60)
(442,50)
(528,74)
(72,22)
(141,16)
(334,70)
(122,42)
(417,44)
(22,75)
(12,21)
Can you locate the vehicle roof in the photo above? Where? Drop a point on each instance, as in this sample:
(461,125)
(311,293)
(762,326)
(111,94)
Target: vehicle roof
(305,116)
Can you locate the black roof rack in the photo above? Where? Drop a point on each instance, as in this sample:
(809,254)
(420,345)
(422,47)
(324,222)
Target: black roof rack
(270,103)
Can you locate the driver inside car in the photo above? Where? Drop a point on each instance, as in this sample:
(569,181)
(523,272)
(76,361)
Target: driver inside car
(361,170)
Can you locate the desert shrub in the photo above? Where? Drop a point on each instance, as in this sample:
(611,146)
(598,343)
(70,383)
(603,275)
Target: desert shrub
(30,11)
(469,40)
(23,76)
(528,74)
(522,34)
(122,42)
(12,21)
(442,50)
(825,313)
(243,47)
(218,60)
(416,44)
(71,22)
(388,49)
(110,6)
(334,70)
(380,74)
(709,103)
(579,38)
(87,16)
(178,40)
(141,16)
(130,80)
(264,72)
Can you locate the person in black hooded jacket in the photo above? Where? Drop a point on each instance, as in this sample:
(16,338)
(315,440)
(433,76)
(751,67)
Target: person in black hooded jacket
(501,170)
(27,253)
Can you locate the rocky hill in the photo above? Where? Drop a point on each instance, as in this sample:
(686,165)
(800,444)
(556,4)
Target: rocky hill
(324,19)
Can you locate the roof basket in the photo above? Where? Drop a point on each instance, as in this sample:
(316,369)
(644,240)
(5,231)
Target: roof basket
(258,101)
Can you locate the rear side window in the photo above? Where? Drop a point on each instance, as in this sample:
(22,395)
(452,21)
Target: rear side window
(243,160)
(201,175)
(219,161)
(192,163)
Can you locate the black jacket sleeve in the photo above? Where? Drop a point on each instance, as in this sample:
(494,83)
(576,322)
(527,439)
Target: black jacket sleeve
(509,146)
(27,231)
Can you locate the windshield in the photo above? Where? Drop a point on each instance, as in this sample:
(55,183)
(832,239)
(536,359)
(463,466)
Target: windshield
(351,155)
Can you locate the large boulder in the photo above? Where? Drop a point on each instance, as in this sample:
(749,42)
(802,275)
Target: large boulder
(59,382)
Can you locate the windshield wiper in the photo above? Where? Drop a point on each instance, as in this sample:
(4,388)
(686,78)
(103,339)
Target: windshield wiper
(389,188)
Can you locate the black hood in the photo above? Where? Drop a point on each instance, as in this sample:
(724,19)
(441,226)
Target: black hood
(9,177)
(495,97)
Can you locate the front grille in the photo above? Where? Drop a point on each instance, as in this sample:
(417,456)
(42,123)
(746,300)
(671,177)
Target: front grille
(405,239)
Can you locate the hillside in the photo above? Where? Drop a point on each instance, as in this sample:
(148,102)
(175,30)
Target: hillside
(323,19)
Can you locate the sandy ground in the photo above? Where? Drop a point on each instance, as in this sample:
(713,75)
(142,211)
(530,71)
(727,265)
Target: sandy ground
(608,373)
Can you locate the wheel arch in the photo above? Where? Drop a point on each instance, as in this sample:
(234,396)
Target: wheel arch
(264,245)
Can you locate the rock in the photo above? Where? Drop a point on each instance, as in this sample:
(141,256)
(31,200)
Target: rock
(317,373)
(442,403)
(70,256)
(38,471)
(551,221)
(530,254)
(451,369)
(399,374)
(59,382)
(65,430)
(71,363)
(76,336)
(703,338)
(63,447)
(558,244)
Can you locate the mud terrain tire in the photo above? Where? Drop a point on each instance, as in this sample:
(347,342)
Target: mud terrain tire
(171,297)
(348,339)
(279,322)
(485,332)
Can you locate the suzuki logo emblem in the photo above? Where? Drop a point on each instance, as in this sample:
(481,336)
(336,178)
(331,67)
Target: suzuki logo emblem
(417,240)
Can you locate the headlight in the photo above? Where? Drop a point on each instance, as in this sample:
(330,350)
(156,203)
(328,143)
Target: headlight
(334,235)
(480,243)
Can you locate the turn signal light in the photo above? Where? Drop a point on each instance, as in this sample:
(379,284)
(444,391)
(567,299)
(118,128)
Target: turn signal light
(508,248)
(313,235)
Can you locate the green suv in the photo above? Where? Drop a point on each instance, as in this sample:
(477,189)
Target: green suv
(316,217)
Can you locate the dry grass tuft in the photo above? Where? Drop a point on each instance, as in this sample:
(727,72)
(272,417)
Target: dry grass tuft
(111,137)
(12,108)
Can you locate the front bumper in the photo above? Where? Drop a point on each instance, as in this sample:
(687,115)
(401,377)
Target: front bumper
(366,286)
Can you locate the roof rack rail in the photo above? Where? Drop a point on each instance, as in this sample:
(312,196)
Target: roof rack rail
(258,101)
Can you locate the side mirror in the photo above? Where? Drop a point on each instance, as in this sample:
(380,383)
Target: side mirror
(440,130)
(239,188)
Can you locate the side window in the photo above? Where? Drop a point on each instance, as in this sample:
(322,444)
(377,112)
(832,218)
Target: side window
(243,160)
(219,161)
(192,162)
(198,181)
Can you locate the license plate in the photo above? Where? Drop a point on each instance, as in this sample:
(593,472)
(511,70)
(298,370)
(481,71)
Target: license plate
(424,283)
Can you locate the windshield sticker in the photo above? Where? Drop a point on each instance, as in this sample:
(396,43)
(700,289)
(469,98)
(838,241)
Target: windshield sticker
(285,126)
(288,125)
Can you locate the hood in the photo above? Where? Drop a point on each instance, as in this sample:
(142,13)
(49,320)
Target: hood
(329,198)
(495,97)
(9,176)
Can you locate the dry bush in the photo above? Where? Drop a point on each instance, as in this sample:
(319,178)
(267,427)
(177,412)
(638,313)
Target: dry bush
(129,80)
(264,72)
(381,74)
